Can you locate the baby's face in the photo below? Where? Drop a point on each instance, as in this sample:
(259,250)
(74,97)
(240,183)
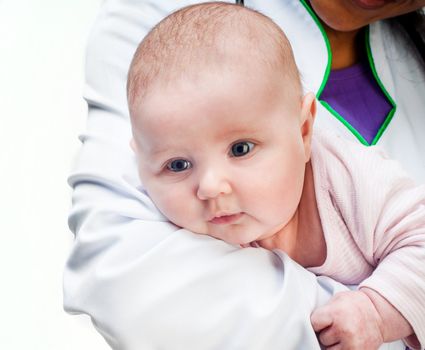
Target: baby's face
(223,157)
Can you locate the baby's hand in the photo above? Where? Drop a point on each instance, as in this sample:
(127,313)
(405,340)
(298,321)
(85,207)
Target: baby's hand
(348,321)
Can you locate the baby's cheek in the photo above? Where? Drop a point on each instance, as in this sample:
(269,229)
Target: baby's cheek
(168,202)
(275,199)
(177,206)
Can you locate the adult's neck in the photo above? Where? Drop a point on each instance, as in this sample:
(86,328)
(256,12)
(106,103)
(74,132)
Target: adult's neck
(346,47)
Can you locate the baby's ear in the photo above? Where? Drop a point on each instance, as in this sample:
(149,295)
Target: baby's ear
(133,145)
(308,107)
(308,113)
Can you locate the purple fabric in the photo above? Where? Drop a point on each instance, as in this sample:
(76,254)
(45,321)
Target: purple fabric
(354,93)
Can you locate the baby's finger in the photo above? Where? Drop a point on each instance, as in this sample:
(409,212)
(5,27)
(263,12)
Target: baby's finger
(321,318)
(328,337)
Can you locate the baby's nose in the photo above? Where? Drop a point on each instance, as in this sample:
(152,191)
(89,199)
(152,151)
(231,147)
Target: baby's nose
(213,184)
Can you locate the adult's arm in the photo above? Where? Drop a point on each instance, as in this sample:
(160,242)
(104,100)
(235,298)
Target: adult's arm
(146,284)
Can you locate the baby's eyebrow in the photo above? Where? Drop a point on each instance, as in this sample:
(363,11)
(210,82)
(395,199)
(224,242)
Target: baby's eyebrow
(243,131)
(161,151)
(158,152)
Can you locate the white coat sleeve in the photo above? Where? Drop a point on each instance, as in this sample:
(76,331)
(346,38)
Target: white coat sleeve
(146,284)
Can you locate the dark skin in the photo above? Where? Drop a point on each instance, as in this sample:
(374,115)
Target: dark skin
(345,46)
(343,21)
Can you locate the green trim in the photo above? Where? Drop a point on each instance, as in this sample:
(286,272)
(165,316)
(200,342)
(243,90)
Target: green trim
(328,46)
(382,87)
(345,122)
(375,75)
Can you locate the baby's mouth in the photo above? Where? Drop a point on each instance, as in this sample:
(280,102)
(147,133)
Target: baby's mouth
(223,218)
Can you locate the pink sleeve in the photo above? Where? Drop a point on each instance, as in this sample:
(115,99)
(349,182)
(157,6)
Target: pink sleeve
(397,246)
(384,211)
(399,250)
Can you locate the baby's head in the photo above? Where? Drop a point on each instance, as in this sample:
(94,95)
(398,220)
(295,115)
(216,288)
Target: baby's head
(220,127)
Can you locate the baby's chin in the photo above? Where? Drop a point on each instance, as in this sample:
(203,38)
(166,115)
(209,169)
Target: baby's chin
(220,237)
(234,239)
(228,236)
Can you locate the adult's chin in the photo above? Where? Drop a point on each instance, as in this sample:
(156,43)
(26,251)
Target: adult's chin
(344,15)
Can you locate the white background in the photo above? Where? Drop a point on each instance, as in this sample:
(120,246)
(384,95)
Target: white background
(42,112)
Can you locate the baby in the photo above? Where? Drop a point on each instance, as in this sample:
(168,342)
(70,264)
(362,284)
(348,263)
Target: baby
(223,136)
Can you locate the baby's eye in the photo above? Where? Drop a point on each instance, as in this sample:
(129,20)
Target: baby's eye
(242,148)
(178,165)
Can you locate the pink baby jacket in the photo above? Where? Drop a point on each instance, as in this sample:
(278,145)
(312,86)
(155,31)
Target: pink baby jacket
(373,219)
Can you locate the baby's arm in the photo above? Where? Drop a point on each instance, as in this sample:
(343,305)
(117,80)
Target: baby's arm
(394,325)
(398,245)
(385,213)
(390,304)
(360,320)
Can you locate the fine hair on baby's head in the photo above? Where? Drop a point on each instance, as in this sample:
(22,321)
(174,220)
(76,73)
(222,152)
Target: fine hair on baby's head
(210,37)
